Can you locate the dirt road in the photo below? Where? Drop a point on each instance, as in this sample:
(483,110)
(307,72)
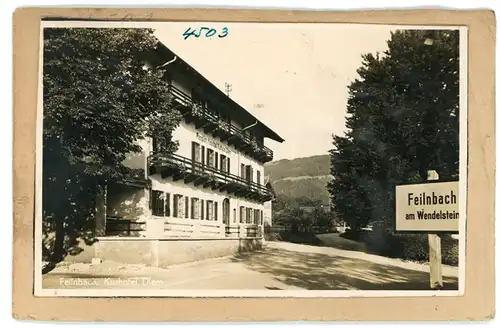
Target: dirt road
(279,266)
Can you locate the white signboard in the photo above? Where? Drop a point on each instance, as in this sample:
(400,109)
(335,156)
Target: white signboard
(430,207)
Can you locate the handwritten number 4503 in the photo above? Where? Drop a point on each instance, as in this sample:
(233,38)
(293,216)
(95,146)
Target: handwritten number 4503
(209,32)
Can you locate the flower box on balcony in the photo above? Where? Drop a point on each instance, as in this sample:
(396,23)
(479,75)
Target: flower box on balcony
(223,125)
(197,110)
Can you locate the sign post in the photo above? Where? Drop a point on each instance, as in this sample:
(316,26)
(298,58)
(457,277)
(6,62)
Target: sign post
(435,260)
(430,208)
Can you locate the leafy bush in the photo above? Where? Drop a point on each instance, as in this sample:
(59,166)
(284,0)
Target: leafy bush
(415,247)
(359,235)
(411,247)
(273,236)
(305,238)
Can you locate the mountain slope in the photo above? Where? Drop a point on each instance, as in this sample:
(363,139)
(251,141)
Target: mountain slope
(301,177)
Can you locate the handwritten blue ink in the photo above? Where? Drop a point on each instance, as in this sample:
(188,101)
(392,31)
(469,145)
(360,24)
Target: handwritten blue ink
(210,32)
(225,31)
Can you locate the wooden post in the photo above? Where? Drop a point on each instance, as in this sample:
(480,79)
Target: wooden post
(100,210)
(435,261)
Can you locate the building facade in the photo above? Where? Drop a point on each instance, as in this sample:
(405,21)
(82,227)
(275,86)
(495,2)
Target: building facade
(205,200)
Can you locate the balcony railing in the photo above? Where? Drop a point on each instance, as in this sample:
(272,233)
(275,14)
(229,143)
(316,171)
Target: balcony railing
(212,122)
(179,167)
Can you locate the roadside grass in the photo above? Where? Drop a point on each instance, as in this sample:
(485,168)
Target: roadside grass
(409,247)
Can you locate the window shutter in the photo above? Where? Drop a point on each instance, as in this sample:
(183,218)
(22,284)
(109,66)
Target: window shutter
(202,155)
(167,204)
(193,201)
(193,151)
(186,207)
(181,207)
(243,171)
(216,218)
(216,165)
(228,163)
(202,210)
(176,206)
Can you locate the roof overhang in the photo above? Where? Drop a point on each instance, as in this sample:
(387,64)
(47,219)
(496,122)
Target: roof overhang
(217,93)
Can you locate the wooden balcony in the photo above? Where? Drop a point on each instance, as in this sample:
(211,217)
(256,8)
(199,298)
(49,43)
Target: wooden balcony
(213,124)
(202,175)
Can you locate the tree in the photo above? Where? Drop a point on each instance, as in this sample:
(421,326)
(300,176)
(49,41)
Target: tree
(403,119)
(99,99)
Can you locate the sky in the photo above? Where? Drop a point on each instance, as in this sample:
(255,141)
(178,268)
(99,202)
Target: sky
(292,77)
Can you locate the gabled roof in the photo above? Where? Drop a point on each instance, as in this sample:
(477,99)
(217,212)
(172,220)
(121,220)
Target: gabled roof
(221,96)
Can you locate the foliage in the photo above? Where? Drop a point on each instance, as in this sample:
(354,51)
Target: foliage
(403,119)
(305,238)
(307,166)
(99,99)
(314,188)
(410,247)
(415,247)
(291,214)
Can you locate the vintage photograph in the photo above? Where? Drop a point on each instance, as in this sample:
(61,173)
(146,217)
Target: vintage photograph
(250,159)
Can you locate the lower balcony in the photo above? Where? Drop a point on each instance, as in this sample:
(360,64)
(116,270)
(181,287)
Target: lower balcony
(202,175)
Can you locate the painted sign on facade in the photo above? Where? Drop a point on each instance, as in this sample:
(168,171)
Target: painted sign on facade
(213,143)
(432,207)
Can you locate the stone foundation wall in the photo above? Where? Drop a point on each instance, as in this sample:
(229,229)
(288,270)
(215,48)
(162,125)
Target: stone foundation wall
(163,252)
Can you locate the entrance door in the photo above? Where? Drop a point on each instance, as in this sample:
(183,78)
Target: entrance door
(225,211)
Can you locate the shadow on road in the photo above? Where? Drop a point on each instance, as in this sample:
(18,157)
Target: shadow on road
(324,272)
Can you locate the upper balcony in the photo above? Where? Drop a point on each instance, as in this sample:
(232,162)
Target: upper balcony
(212,123)
(182,168)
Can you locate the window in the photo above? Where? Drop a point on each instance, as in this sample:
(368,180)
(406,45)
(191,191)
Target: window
(195,208)
(261,217)
(248,217)
(195,152)
(210,157)
(243,171)
(176,205)
(210,210)
(223,163)
(158,203)
(216,157)
(186,207)
(255,217)
(234,215)
(258,177)
(249,173)
(179,207)
(242,213)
